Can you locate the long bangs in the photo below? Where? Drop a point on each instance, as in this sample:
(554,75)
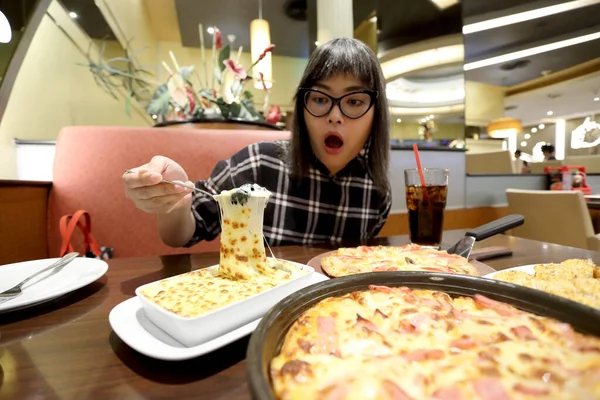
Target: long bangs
(341,56)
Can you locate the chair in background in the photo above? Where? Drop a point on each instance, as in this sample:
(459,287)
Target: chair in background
(538,167)
(90,161)
(590,162)
(496,162)
(560,217)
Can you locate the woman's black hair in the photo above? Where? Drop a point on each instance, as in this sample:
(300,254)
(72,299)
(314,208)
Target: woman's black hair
(352,57)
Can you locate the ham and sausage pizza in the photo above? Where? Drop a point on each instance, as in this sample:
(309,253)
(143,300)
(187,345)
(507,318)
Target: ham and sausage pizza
(403,344)
(356,260)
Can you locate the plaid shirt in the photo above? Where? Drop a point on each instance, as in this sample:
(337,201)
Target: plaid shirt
(319,208)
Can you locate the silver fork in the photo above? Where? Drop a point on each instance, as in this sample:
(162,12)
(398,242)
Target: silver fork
(128,171)
(16,290)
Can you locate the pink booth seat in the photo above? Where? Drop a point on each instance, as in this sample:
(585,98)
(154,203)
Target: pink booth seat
(90,161)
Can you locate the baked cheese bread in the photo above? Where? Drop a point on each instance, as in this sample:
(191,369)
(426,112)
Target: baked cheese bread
(243,270)
(574,279)
(412,257)
(198,292)
(397,343)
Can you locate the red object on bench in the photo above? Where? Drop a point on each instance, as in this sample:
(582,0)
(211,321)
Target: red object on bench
(557,179)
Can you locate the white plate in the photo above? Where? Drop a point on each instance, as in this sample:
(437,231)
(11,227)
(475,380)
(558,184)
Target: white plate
(130,322)
(530,269)
(52,284)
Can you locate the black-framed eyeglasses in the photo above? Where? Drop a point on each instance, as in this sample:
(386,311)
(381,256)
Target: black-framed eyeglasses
(353,105)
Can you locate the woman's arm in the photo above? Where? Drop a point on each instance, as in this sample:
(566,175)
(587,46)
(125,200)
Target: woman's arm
(177,227)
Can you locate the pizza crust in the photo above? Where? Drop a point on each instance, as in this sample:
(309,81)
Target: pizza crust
(362,259)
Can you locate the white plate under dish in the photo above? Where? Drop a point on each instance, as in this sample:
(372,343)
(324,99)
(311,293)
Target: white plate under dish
(529,269)
(197,330)
(130,322)
(52,284)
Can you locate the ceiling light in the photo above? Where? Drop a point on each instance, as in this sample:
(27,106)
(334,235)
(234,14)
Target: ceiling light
(523,144)
(504,128)
(527,136)
(422,110)
(316,43)
(531,52)
(210,30)
(260,39)
(533,130)
(541,126)
(596,98)
(398,120)
(5,31)
(73,15)
(373,19)
(443,4)
(431,116)
(527,16)
(550,113)
(423,59)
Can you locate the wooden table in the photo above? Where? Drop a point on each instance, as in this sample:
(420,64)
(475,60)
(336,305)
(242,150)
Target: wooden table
(66,349)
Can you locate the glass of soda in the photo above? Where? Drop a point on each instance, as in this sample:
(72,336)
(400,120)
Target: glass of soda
(426,205)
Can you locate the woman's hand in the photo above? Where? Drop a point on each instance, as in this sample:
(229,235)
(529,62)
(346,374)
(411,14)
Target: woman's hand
(144,187)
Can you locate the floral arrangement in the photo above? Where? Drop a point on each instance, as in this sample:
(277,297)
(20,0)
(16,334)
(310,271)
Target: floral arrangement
(177,99)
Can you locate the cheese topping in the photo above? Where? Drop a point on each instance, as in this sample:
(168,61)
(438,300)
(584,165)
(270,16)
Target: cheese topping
(398,343)
(242,247)
(412,257)
(243,270)
(577,280)
(199,292)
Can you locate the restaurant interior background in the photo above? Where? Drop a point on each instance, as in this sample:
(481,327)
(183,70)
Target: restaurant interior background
(470,81)
(449,76)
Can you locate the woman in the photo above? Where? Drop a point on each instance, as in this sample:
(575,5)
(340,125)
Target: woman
(329,182)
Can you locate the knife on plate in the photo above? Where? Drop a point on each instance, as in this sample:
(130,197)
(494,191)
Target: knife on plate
(465,245)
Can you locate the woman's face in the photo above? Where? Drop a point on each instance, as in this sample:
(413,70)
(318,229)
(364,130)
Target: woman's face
(335,138)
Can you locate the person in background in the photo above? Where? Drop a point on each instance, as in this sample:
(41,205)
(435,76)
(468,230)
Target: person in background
(522,165)
(548,151)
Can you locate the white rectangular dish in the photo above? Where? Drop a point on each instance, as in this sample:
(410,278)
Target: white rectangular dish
(192,331)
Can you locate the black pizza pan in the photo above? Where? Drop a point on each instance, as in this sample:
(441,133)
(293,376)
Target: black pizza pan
(268,337)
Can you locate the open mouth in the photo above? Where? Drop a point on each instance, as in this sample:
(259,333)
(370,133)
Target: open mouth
(333,140)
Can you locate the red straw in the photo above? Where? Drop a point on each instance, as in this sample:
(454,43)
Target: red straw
(420,169)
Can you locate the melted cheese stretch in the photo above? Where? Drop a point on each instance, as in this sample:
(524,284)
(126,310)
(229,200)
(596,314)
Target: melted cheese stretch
(242,248)
(389,343)
(244,269)
(199,292)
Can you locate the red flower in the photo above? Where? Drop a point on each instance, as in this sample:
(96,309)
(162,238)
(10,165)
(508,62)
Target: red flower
(218,41)
(237,69)
(191,100)
(274,115)
(265,52)
(262,80)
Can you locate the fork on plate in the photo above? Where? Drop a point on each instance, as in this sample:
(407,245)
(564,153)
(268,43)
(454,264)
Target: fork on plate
(17,289)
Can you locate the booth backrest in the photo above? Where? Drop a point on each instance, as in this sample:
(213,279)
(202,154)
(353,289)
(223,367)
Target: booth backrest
(90,161)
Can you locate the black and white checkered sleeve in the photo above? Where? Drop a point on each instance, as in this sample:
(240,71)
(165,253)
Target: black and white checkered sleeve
(384,211)
(234,172)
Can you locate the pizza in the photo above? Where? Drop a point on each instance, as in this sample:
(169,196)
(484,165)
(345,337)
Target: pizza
(577,280)
(398,343)
(412,257)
